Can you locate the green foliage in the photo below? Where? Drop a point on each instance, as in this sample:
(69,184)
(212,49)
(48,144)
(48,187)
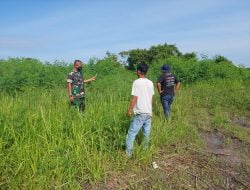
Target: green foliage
(162,52)
(134,57)
(18,75)
(192,70)
(186,66)
(137,56)
(45,144)
(220,58)
(190,56)
(25,73)
(22,74)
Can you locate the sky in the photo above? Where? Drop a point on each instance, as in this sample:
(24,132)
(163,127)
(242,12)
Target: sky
(66,30)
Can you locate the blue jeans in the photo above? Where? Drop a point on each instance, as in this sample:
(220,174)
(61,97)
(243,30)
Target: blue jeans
(166,102)
(139,121)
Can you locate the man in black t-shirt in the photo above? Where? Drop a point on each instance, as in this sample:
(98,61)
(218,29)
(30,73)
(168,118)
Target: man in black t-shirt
(167,86)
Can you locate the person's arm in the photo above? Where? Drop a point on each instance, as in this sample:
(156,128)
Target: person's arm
(89,80)
(71,98)
(177,87)
(69,85)
(153,93)
(159,88)
(160,80)
(131,106)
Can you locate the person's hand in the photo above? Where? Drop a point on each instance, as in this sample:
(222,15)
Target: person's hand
(175,91)
(129,113)
(93,78)
(160,92)
(71,98)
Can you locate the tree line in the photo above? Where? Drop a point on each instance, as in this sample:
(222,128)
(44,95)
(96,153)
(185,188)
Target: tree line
(19,74)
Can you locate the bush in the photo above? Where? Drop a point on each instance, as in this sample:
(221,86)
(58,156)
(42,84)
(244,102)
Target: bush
(20,74)
(193,70)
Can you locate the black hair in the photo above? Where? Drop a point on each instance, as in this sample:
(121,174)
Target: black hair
(76,61)
(143,68)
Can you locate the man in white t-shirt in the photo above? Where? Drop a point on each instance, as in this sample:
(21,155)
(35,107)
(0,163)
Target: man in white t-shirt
(141,103)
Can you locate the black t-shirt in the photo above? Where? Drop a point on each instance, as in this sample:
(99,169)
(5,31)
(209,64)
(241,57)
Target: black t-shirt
(167,81)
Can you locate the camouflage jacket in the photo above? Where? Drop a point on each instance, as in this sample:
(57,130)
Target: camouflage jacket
(77,81)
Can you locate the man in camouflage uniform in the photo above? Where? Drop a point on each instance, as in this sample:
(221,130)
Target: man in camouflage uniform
(76,82)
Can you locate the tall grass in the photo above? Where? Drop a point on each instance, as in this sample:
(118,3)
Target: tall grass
(46,144)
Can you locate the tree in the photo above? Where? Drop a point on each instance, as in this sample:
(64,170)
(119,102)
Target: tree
(220,59)
(154,53)
(190,56)
(111,56)
(134,57)
(163,52)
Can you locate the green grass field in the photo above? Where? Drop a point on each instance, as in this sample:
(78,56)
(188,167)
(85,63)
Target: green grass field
(46,144)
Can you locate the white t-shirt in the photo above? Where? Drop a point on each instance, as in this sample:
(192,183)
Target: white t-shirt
(144,90)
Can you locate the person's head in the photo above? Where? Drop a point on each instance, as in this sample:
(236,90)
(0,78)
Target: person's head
(78,65)
(165,68)
(142,69)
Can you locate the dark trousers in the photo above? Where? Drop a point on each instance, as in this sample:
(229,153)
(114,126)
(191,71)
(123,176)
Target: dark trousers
(79,103)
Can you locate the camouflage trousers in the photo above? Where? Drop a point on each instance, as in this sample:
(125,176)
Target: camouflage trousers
(79,103)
